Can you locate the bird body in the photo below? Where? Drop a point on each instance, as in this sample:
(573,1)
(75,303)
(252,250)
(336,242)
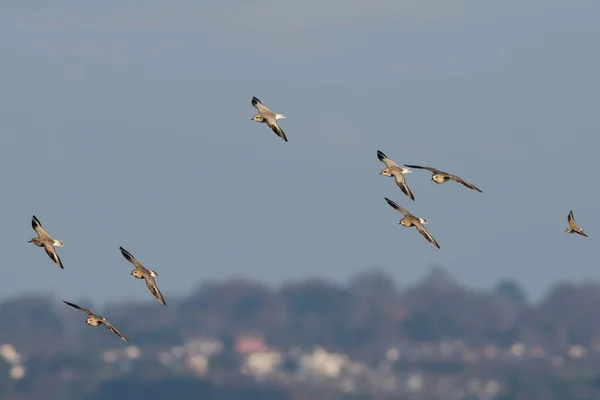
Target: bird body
(573,227)
(268,117)
(95,320)
(44,240)
(440,177)
(411,220)
(141,272)
(393,169)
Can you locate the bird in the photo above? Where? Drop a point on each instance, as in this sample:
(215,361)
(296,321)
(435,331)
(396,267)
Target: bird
(573,227)
(410,220)
(393,169)
(268,117)
(44,240)
(440,177)
(142,272)
(95,320)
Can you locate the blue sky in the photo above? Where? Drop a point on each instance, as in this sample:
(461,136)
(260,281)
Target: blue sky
(128,124)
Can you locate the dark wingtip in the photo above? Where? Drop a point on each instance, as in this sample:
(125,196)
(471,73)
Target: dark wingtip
(255,100)
(391,202)
(125,253)
(71,304)
(380,155)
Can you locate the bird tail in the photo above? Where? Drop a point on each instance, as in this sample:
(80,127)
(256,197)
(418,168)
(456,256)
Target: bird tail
(153,273)
(59,243)
(279,116)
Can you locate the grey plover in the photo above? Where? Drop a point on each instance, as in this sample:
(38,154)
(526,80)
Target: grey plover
(268,117)
(393,169)
(410,220)
(142,272)
(442,177)
(95,320)
(44,240)
(573,227)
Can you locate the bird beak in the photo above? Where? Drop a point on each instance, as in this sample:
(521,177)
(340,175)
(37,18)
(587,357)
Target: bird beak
(380,173)
(251,119)
(29,241)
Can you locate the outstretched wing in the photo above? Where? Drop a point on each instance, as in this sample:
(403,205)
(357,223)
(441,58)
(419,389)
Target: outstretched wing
(132,259)
(397,207)
(37,226)
(463,182)
(51,251)
(404,187)
(272,123)
(259,106)
(113,329)
(88,312)
(384,159)
(571,219)
(581,232)
(151,283)
(430,169)
(426,234)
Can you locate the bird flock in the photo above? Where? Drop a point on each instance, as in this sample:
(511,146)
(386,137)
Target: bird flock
(266,116)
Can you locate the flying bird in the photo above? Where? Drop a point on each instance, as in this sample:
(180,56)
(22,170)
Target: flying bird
(442,177)
(44,240)
(142,272)
(268,117)
(410,220)
(95,320)
(573,227)
(393,169)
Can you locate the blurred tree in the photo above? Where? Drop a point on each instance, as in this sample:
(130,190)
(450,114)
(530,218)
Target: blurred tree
(511,290)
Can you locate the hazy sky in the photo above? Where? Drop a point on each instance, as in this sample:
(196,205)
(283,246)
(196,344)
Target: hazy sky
(127,123)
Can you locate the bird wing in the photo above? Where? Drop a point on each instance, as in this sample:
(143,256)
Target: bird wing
(37,226)
(132,259)
(88,312)
(425,234)
(113,329)
(384,159)
(272,122)
(403,186)
(430,169)
(463,182)
(260,107)
(397,207)
(51,251)
(571,219)
(151,283)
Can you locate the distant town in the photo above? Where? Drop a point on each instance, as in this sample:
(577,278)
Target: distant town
(312,339)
